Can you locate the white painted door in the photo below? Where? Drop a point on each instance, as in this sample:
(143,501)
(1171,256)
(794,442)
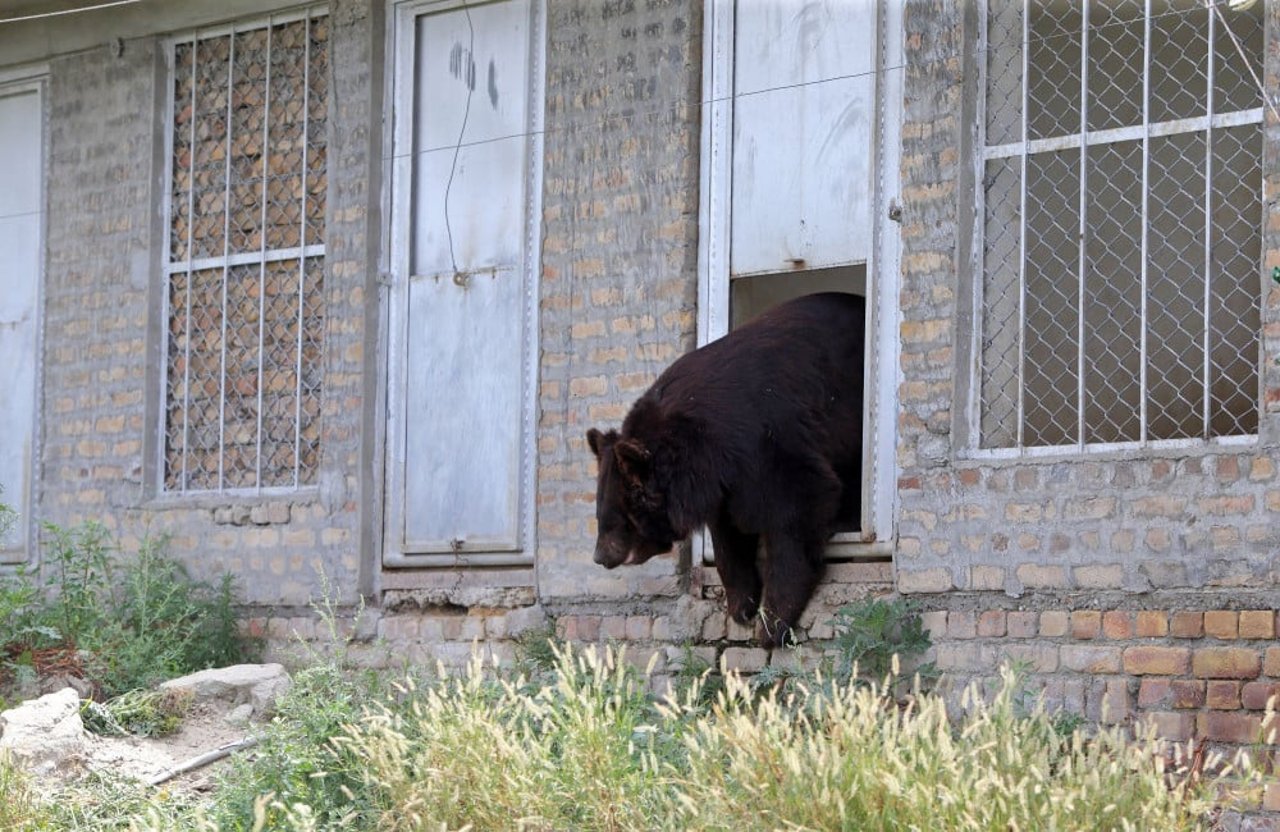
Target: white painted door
(803,134)
(21,241)
(463,283)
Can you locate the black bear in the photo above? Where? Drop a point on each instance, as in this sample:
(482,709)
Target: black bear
(758,436)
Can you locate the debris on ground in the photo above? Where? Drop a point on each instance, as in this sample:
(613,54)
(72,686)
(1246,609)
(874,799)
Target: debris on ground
(48,737)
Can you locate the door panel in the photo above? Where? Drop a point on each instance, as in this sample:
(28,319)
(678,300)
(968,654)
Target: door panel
(20,242)
(485,87)
(463,293)
(463,399)
(803,143)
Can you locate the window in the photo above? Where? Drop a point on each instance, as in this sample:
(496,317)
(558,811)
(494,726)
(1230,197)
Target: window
(244,271)
(1121,224)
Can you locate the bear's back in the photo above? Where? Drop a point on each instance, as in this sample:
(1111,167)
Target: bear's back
(796,355)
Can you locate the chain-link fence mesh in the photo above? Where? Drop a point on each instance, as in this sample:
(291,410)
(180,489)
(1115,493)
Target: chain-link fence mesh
(245,301)
(1138,320)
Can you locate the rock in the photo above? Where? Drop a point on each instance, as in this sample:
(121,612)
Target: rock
(46,734)
(259,685)
(239,715)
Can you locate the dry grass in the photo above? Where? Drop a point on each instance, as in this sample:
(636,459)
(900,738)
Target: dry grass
(587,754)
(585,748)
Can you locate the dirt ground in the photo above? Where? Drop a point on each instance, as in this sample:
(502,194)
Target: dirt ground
(204,729)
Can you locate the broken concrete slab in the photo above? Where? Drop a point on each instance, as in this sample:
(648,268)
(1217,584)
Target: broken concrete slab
(45,735)
(259,685)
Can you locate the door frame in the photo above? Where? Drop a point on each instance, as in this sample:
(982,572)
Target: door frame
(881,370)
(395,277)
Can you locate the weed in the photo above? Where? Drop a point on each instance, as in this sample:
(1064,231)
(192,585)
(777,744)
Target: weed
(142,713)
(163,624)
(80,564)
(125,622)
(536,651)
(695,674)
(869,633)
(20,810)
(295,764)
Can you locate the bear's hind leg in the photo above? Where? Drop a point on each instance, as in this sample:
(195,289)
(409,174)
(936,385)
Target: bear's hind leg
(792,573)
(736,563)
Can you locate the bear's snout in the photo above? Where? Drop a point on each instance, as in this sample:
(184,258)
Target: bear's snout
(610,553)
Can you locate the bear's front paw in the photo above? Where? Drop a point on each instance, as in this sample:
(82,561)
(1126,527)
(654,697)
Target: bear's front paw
(743,609)
(776,634)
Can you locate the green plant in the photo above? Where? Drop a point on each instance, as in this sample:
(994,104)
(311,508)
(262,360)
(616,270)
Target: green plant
(869,633)
(162,623)
(8,516)
(124,621)
(142,713)
(20,810)
(294,764)
(536,651)
(78,560)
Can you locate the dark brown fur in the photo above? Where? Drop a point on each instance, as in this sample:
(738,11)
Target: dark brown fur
(758,436)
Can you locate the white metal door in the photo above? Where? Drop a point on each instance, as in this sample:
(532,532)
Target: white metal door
(463,283)
(21,241)
(803,134)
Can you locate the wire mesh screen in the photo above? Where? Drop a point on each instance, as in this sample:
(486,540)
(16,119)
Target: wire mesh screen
(1121,224)
(245,299)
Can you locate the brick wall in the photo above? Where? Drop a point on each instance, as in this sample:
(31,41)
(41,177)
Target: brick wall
(619,266)
(1131,586)
(102,336)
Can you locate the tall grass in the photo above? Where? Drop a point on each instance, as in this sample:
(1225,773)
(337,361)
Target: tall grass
(578,753)
(585,748)
(20,808)
(589,753)
(853,759)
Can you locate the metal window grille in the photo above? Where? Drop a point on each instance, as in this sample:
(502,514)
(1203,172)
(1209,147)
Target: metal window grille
(1121,223)
(245,268)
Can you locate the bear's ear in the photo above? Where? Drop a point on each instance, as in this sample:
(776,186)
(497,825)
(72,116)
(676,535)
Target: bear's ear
(633,458)
(597,440)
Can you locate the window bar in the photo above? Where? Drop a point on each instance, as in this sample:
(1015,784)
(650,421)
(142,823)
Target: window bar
(1022,233)
(1146,164)
(1208,226)
(226,251)
(191,224)
(302,258)
(262,240)
(977,402)
(1084,190)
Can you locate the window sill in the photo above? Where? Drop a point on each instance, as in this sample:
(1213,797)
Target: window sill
(228,499)
(1111,451)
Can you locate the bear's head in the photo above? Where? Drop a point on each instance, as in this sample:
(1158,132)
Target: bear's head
(631,512)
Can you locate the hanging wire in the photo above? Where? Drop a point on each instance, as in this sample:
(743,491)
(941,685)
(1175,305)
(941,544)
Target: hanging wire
(670,106)
(468,71)
(43,15)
